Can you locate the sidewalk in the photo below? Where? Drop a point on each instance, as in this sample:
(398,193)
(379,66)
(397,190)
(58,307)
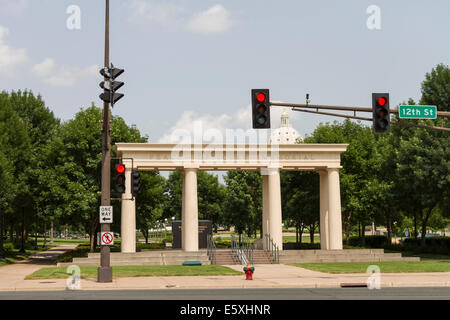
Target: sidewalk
(12,275)
(266,276)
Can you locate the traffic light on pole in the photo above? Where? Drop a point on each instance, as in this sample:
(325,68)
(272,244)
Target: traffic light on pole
(135,183)
(380,112)
(260,108)
(120,178)
(110,86)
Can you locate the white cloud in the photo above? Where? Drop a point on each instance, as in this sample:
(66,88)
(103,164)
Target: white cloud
(13,7)
(64,76)
(190,121)
(163,13)
(213,20)
(44,68)
(10,58)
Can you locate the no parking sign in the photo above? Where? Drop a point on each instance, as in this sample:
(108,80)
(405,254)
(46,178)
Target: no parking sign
(107,239)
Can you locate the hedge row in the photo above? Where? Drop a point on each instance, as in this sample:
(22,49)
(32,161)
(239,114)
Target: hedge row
(370,241)
(439,245)
(301,246)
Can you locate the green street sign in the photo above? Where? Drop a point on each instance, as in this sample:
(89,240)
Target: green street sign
(417,112)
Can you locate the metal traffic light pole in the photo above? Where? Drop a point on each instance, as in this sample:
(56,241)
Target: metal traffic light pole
(297,106)
(104,271)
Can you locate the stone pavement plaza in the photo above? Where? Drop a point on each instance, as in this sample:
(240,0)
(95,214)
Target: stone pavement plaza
(265,276)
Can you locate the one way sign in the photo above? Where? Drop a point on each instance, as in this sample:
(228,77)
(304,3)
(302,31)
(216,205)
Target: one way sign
(106,214)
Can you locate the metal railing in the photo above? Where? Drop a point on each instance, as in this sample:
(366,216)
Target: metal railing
(238,252)
(211,249)
(247,248)
(272,248)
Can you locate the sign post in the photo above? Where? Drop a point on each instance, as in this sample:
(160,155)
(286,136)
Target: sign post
(417,112)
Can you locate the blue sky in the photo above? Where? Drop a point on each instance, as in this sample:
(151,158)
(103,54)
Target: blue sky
(198,60)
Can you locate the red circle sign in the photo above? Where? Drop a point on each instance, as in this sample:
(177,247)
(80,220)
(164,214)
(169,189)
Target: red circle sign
(107,238)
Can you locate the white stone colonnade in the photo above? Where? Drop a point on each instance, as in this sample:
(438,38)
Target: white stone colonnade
(268,159)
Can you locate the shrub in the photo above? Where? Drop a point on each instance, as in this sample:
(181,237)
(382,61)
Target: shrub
(223,244)
(370,241)
(29,245)
(8,247)
(301,246)
(168,239)
(439,245)
(79,252)
(150,246)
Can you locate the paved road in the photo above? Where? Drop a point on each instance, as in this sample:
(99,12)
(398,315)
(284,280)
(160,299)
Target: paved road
(427,293)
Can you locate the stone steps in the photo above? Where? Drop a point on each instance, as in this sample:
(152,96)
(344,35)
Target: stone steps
(261,257)
(225,257)
(331,252)
(363,255)
(152,253)
(160,257)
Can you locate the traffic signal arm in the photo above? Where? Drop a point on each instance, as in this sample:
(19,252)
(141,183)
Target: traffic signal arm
(299,107)
(443,114)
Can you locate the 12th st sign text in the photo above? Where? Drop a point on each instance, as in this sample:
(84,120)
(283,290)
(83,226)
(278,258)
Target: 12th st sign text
(417,112)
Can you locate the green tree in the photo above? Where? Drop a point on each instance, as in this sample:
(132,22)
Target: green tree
(300,201)
(243,201)
(435,88)
(7,193)
(41,126)
(211,195)
(17,152)
(150,201)
(76,153)
(359,168)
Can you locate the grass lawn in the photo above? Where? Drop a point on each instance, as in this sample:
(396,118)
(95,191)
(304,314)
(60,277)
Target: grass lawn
(385,267)
(305,239)
(59,241)
(15,255)
(11,258)
(138,271)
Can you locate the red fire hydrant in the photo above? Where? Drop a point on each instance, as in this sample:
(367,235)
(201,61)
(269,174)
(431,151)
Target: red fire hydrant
(249,272)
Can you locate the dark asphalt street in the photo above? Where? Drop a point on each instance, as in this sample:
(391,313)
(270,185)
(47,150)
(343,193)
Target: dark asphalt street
(426,293)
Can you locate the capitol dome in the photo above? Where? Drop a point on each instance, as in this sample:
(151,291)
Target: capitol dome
(285,134)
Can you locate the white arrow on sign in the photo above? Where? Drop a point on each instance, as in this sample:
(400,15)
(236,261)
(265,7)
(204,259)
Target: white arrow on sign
(106,214)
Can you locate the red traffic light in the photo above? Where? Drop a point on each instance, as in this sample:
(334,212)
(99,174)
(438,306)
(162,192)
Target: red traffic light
(381,101)
(120,168)
(260,97)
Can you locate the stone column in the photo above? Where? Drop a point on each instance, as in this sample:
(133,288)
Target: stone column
(128,221)
(190,222)
(183,207)
(265,198)
(324,227)
(334,210)
(274,191)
